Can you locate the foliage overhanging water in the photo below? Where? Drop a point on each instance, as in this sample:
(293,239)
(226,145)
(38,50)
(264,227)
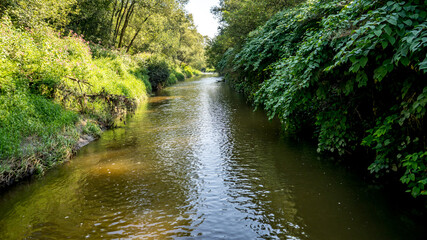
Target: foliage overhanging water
(196,161)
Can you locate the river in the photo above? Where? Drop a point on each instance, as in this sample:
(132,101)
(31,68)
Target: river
(196,161)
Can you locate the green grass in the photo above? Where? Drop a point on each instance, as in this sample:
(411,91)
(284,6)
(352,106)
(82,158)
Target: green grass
(53,90)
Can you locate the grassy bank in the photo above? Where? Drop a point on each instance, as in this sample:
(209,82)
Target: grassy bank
(56,88)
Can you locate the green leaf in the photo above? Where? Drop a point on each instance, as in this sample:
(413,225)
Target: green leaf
(389,67)
(355,67)
(387,29)
(415,191)
(408,22)
(391,39)
(348,87)
(404,61)
(380,73)
(392,21)
(405,89)
(363,61)
(402,14)
(384,44)
(387,142)
(378,32)
(390,3)
(362,78)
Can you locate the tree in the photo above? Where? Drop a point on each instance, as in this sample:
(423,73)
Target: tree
(31,13)
(93,20)
(238,18)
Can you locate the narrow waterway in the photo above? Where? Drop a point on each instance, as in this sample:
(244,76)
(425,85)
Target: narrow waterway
(197,162)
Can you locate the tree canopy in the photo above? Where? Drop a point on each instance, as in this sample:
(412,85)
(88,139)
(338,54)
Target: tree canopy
(155,26)
(237,19)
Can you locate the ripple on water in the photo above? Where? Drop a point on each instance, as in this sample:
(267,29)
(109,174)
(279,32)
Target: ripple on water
(196,162)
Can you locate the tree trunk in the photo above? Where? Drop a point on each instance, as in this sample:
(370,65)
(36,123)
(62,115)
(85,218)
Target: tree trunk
(112,16)
(136,34)
(125,24)
(119,21)
(133,39)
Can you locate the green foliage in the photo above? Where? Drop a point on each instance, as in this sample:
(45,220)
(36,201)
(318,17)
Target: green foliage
(190,45)
(160,27)
(163,73)
(32,13)
(239,17)
(415,175)
(172,79)
(47,82)
(190,72)
(35,133)
(92,128)
(55,85)
(209,70)
(179,75)
(353,71)
(187,71)
(93,20)
(32,116)
(158,72)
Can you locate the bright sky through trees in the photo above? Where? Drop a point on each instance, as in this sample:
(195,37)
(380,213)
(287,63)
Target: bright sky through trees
(203,18)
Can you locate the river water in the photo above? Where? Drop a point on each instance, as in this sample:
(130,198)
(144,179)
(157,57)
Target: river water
(197,162)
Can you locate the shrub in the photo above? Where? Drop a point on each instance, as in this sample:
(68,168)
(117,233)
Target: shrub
(351,70)
(172,79)
(178,74)
(158,72)
(92,128)
(187,71)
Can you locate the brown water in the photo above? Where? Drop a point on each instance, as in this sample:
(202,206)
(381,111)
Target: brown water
(197,162)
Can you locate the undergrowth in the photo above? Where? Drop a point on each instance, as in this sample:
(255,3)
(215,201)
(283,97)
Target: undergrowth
(353,71)
(53,90)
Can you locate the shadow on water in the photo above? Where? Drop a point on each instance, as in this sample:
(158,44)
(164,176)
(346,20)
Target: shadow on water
(196,161)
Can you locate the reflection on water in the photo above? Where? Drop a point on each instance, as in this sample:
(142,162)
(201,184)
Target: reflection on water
(194,162)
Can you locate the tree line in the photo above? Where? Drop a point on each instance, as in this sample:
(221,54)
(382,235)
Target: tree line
(153,26)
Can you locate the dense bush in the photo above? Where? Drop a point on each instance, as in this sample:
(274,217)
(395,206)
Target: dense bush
(353,71)
(163,73)
(189,71)
(158,72)
(172,79)
(178,74)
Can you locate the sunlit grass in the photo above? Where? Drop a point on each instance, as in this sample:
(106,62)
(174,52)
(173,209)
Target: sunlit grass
(43,77)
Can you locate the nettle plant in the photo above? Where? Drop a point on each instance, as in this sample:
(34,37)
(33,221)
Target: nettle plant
(355,72)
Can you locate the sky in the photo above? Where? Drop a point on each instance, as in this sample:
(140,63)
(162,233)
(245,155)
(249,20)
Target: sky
(206,23)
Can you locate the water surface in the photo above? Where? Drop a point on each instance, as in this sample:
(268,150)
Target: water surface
(197,162)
